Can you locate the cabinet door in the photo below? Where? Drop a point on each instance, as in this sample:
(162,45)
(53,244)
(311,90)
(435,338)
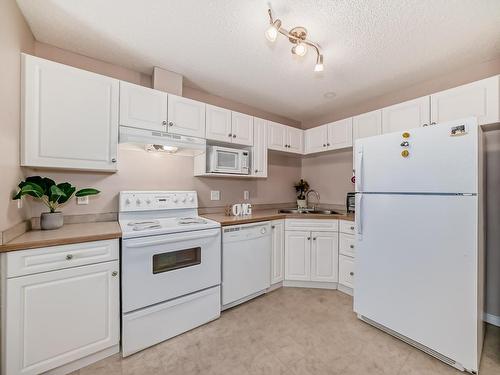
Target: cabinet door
(346,271)
(218,124)
(340,134)
(186,116)
(276,136)
(297,255)
(316,139)
(367,124)
(407,115)
(324,256)
(70,117)
(142,107)
(242,127)
(259,154)
(295,140)
(479,99)
(278,251)
(54,318)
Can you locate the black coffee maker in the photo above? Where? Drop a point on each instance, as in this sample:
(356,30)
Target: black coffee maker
(350,203)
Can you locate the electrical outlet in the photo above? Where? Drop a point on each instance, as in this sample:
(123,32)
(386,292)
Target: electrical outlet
(246,195)
(215,195)
(82,200)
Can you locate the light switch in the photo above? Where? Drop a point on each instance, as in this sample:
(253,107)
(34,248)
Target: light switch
(246,195)
(82,200)
(215,195)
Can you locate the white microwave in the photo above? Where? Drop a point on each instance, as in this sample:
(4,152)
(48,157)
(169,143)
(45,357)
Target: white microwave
(227,160)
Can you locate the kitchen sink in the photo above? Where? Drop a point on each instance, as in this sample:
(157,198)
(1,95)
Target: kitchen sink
(308,211)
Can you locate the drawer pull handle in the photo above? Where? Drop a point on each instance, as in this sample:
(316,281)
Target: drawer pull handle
(352,228)
(352,246)
(114,273)
(351,273)
(69,256)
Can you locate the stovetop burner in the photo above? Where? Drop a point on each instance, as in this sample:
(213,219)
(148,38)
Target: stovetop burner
(191,220)
(145,224)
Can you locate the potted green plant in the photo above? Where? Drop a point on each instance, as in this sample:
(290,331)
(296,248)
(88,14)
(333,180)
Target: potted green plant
(52,195)
(301,188)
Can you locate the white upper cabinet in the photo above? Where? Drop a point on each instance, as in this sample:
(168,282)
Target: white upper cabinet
(295,140)
(316,139)
(142,107)
(407,115)
(339,134)
(186,116)
(259,154)
(367,125)
(479,99)
(69,117)
(218,124)
(242,128)
(276,139)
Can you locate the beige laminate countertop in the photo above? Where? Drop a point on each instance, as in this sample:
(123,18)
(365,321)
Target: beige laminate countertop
(265,215)
(68,234)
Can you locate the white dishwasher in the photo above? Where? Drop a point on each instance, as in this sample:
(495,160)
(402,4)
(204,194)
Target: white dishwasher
(246,262)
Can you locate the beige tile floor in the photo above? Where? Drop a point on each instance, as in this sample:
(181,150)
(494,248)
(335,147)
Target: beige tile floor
(289,331)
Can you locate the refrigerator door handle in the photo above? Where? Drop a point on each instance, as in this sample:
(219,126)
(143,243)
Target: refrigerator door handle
(359,170)
(357,214)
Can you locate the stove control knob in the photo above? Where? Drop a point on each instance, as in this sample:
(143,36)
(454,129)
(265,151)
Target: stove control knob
(183,199)
(127,201)
(148,201)
(174,199)
(138,202)
(190,198)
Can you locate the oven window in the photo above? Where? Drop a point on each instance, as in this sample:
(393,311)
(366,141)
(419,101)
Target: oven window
(227,160)
(176,259)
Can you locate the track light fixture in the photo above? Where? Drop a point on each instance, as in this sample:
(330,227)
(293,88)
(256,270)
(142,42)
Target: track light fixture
(296,36)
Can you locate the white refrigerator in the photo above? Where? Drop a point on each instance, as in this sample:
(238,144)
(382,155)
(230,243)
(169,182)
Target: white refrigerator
(419,240)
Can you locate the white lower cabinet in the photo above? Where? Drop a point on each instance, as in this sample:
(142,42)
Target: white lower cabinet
(277,251)
(324,256)
(347,254)
(53,318)
(311,250)
(346,271)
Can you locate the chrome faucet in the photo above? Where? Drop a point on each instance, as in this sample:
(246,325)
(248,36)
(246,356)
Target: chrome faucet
(317,198)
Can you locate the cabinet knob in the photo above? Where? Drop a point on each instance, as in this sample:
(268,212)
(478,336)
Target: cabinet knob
(314,238)
(352,246)
(113,160)
(433,123)
(69,256)
(170,123)
(352,228)
(164,122)
(273,226)
(351,273)
(229,135)
(256,170)
(114,273)
(234,135)
(425,124)
(324,144)
(308,238)
(328,144)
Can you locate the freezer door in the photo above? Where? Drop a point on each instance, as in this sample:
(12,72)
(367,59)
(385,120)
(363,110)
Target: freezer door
(416,270)
(440,159)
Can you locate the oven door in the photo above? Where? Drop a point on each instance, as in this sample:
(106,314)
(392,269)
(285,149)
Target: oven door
(159,268)
(227,161)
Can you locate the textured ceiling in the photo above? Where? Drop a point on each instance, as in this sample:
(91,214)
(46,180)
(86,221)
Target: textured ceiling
(371,47)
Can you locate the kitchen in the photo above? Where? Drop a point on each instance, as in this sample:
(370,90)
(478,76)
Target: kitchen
(301,319)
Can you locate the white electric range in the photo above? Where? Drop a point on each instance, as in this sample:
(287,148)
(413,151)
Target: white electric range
(171,267)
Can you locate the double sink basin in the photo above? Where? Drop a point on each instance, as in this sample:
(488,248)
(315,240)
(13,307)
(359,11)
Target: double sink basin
(308,211)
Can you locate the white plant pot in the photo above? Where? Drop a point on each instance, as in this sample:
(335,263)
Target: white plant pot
(51,220)
(301,203)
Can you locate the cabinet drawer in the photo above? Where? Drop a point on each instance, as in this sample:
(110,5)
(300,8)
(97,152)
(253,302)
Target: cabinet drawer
(26,262)
(347,227)
(346,271)
(347,244)
(317,225)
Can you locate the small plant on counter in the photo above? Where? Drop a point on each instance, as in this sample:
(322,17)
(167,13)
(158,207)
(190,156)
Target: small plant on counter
(52,195)
(301,188)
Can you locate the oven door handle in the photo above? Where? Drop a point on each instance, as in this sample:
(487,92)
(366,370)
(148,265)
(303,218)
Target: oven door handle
(170,240)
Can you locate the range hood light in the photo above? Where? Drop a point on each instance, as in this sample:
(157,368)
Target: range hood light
(161,148)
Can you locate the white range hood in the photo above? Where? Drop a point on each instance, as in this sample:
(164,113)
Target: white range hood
(173,143)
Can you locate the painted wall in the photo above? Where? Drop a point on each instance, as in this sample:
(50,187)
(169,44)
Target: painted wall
(15,36)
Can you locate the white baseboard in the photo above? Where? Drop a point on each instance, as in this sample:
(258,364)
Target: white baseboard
(80,363)
(345,289)
(309,284)
(275,286)
(492,319)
